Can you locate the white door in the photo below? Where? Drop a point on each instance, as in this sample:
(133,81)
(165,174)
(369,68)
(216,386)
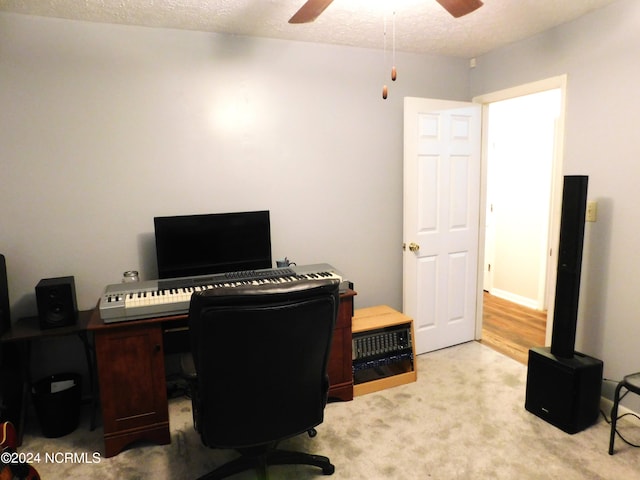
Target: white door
(441,215)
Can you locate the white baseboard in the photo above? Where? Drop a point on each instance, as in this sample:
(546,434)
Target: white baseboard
(512,297)
(606,405)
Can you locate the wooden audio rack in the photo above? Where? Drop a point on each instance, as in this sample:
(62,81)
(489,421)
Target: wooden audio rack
(383,349)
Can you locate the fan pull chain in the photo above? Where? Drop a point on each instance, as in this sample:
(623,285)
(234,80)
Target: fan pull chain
(394,73)
(385,89)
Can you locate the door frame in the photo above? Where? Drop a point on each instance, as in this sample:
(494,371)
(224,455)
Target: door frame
(551,83)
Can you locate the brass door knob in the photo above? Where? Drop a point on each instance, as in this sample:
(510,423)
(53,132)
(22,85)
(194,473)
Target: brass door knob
(414,247)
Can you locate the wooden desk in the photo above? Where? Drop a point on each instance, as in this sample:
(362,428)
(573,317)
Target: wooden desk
(27,329)
(340,368)
(131,374)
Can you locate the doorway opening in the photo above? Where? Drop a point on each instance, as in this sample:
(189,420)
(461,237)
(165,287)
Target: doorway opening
(522,153)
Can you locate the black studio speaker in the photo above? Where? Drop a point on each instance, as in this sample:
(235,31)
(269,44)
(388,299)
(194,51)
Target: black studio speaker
(564,391)
(56,299)
(5,317)
(565,315)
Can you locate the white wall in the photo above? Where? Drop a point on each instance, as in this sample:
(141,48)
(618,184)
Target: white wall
(599,54)
(103,127)
(520,152)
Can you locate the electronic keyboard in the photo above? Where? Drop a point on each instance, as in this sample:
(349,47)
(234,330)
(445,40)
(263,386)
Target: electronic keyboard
(158,298)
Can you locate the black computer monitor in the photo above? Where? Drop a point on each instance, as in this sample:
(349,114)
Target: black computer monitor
(191,245)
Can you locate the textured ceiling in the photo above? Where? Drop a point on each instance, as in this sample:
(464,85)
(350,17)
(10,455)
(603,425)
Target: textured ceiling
(421,26)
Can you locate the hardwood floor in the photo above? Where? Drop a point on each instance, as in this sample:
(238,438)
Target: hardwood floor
(511,328)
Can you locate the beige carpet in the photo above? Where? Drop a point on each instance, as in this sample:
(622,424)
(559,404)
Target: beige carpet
(463,419)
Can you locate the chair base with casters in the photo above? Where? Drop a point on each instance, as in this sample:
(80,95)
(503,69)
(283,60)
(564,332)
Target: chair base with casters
(632,384)
(260,457)
(257,458)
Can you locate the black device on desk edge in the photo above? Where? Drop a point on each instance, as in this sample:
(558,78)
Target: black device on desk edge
(5,316)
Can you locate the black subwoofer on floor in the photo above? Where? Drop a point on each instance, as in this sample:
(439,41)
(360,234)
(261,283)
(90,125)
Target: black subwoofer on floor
(56,298)
(564,391)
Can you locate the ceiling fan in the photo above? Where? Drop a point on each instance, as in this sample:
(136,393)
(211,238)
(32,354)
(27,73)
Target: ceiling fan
(313,8)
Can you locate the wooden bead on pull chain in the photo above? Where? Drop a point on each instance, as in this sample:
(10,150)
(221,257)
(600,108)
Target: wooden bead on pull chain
(385,91)
(394,74)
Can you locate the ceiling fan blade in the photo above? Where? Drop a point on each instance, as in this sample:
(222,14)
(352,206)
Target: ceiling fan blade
(458,8)
(310,11)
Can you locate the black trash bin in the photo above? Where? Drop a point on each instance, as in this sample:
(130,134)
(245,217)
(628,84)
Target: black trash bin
(57,403)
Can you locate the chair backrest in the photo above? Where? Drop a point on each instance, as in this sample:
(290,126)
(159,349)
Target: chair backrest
(260,354)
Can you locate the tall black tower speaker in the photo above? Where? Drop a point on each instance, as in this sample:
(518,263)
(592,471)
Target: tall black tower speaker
(56,299)
(5,317)
(565,314)
(564,386)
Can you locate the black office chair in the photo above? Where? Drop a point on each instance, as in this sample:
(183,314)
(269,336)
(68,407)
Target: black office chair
(632,384)
(260,355)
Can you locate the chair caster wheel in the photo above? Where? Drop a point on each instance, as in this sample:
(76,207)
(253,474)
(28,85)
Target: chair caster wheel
(312,432)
